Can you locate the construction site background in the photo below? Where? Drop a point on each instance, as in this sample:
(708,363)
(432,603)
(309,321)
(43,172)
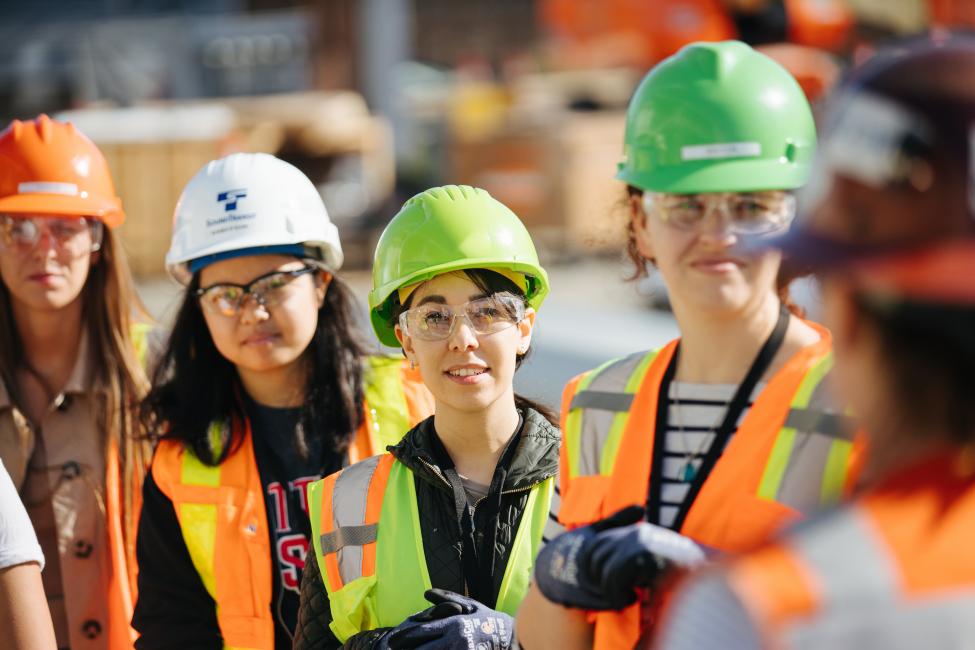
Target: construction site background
(377,99)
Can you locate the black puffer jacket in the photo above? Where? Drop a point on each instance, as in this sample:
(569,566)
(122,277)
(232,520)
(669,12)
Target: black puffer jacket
(462,556)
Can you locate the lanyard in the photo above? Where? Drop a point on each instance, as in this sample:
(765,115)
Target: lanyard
(728,425)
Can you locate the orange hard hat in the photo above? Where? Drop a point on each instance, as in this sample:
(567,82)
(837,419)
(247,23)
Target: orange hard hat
(49,167)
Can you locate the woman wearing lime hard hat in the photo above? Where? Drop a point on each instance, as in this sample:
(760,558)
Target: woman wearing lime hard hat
(71,372)
(263,388)
(889,227)
(727,433)
(459,505)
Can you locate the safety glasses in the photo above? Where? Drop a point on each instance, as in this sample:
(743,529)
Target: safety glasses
(77,235)
(489,315)
(227,299)
(748,213)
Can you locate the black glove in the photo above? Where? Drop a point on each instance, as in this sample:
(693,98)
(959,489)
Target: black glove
(599,566)
(454,621)
(369,639)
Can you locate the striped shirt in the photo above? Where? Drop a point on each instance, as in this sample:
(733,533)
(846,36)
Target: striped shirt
(695,410)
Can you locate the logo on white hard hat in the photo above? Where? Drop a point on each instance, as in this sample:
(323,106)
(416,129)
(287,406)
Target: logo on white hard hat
(230,198)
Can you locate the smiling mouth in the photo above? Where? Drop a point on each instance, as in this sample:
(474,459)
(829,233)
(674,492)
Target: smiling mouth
(466,372)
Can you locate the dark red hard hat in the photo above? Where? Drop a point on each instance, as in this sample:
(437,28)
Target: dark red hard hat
(892,197)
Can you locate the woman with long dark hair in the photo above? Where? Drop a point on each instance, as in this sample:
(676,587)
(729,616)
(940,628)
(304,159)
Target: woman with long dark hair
(456,510)
(263,388)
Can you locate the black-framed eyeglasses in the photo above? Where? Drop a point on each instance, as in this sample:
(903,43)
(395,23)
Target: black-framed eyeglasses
(227,298)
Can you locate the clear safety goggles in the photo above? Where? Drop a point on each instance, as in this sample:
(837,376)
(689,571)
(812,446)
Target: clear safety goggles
(270,289)
(77,235)
(485,316)
(748,213)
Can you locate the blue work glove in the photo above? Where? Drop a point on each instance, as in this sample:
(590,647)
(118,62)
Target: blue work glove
(599,567)
(454,621)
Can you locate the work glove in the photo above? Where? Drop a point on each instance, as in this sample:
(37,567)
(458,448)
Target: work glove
(454,621)
(376,639)
(600,566)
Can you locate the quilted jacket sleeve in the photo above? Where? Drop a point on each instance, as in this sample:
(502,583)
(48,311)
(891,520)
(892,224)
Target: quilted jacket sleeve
(314,615)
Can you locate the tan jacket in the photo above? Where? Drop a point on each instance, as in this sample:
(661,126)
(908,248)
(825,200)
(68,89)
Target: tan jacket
(59,469)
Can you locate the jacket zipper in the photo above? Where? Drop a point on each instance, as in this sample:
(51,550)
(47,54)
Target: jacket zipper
(436,471)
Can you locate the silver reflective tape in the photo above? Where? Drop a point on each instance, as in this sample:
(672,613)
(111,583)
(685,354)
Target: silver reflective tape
(348,536)
(67,189)
(594,399)
(721,150)
(813,420)
(349,499)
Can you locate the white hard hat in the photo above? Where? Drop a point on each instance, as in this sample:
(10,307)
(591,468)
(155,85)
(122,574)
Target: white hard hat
(250,203)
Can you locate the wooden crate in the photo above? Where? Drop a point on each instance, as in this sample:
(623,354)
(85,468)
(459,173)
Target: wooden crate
(557,176)
(149,177)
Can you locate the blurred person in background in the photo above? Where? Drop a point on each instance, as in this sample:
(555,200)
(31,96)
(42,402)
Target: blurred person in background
(725,435)
(891,232)
(25,620)
(71,367)
(263,388)
(454,514)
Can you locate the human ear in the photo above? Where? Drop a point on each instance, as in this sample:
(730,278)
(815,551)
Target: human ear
(407,342)
(321,287)
(638,225)
(525,327)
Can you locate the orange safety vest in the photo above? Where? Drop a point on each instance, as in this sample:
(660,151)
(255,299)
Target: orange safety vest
(222,507)
(894,570)
(122,582)
(791,453)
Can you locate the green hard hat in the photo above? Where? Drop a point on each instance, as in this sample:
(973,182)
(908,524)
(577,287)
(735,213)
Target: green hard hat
(717,117)
(447,229)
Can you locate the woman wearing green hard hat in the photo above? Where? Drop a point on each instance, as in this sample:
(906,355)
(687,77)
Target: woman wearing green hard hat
(716,440)
(459,505)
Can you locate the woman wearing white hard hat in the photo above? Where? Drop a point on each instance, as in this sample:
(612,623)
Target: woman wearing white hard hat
(263,389)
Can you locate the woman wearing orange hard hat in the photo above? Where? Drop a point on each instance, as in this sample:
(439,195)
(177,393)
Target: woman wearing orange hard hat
(71,372)
(891,233)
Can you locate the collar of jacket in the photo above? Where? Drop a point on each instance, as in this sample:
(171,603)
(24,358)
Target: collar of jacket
(535,459)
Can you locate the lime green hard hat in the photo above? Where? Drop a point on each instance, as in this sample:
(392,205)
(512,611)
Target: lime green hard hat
(717,117)
(447,229)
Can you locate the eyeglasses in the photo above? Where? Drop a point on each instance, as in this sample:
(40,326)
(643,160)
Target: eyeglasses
(436,321)
(750,213)
(77,235)
(268,290)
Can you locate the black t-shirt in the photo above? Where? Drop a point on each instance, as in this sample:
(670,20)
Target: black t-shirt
(285,475)
(174,610)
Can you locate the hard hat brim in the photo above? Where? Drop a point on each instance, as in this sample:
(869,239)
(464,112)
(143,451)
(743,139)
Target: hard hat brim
(938,272)
(732,175)
(108,212)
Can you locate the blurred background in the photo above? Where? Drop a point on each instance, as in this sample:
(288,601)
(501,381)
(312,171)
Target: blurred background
(376,100)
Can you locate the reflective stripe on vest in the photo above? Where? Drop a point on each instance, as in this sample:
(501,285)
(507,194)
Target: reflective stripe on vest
(763,480)
(805,470)
(218,507)
(369,526)
(894,570)
(225,530)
